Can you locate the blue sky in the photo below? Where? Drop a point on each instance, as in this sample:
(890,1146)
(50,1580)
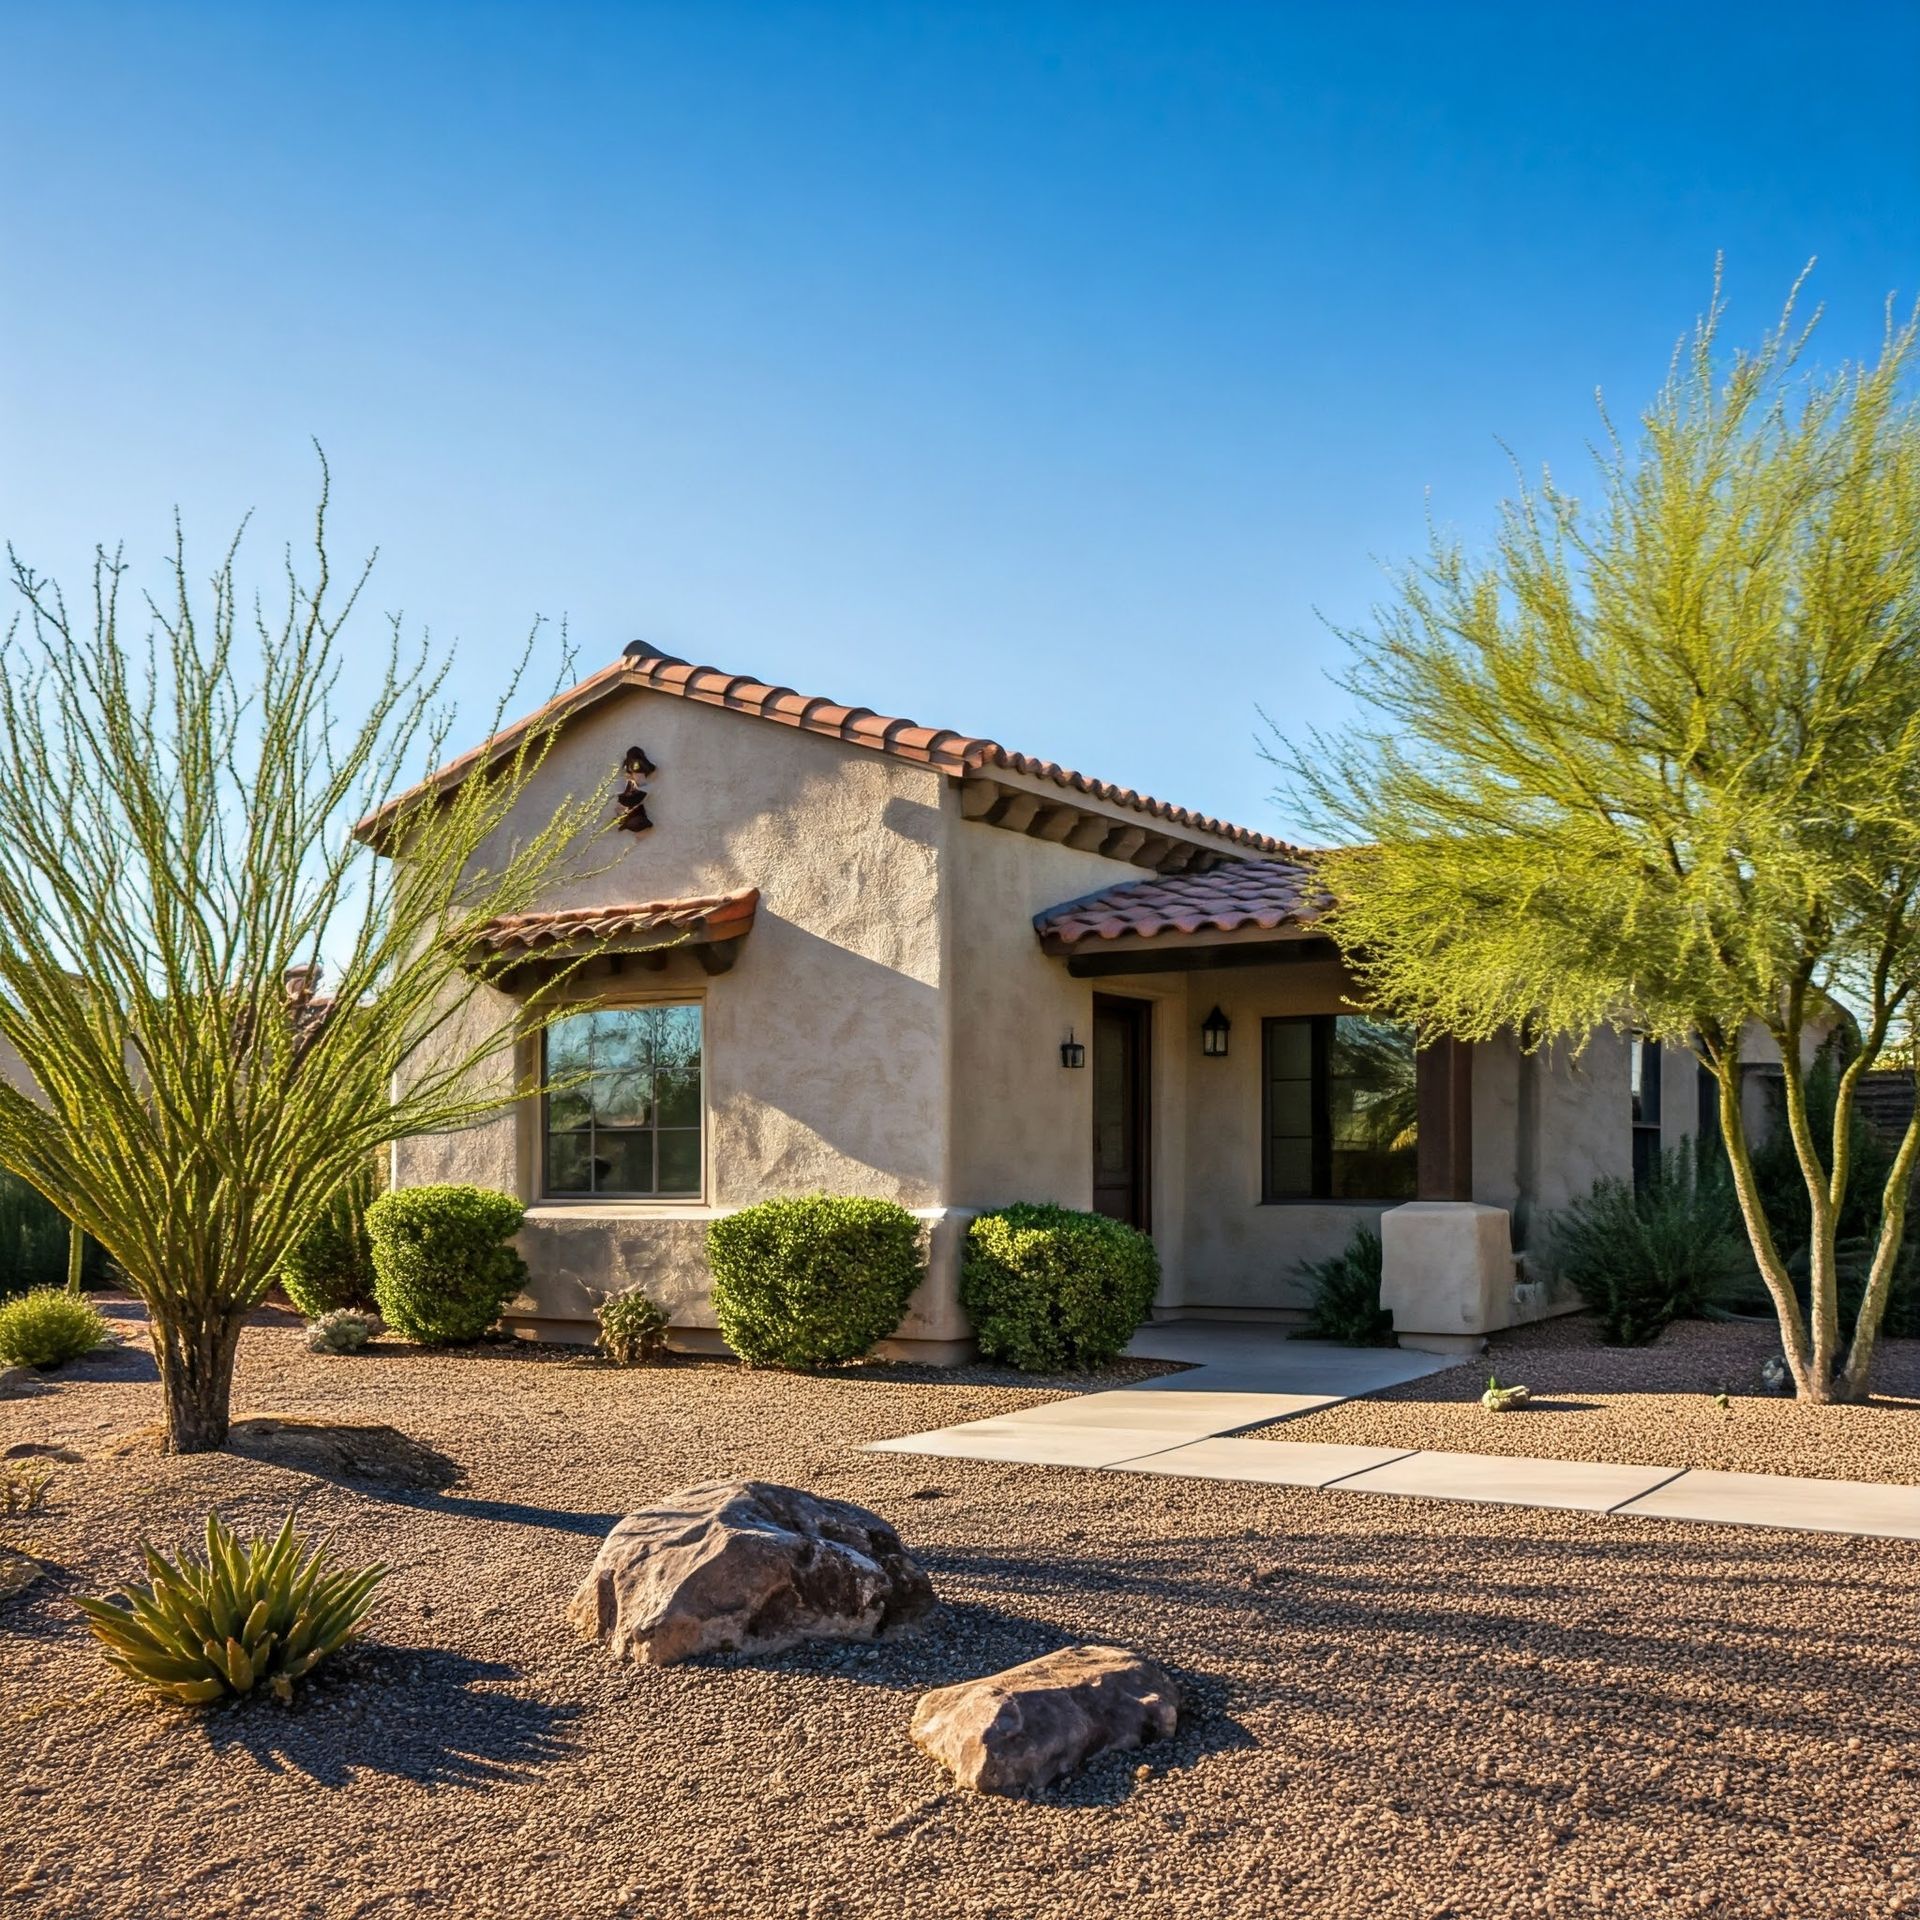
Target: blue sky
(1040,371)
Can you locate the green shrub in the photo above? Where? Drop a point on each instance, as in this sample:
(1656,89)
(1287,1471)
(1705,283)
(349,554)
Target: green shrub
(1641,1259)
(48,1327)
(813,1282)
(33,1242)
(344,1330)
(442,1265)
(244,1615)
(1789,1208)
(1346,1295)
(332,1266)
(1049,1289)
(633,1328)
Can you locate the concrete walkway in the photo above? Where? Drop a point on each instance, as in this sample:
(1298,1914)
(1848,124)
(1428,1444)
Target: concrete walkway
(1248,1375)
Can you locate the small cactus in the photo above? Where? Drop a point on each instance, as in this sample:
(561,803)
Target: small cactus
(1499,1399)
(633,1329)
(345,1330)
(262,1613)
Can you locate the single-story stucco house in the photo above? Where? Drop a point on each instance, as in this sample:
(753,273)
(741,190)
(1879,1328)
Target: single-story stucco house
(844,953)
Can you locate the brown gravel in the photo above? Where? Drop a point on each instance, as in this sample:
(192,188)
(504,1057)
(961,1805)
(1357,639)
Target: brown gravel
(1398,1708)
(1652,1406)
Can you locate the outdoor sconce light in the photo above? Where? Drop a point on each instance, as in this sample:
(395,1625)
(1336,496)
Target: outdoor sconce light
(1213,1035)
(632,798)
(1073,1053)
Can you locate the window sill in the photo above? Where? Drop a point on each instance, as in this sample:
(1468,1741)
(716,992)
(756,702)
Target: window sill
(637,1206)
(1309,1200)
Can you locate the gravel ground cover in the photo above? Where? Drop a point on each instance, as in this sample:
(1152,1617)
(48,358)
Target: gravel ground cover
(1397,1708)
(1652,1406)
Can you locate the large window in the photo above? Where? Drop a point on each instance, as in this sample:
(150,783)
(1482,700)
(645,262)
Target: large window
(631,1125)
(1643,1086)
(1341,1109)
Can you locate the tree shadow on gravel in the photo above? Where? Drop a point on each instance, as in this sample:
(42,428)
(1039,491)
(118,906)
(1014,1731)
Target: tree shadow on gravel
(1285,1611)
(964,1640)
(517,1513)
(418,1714)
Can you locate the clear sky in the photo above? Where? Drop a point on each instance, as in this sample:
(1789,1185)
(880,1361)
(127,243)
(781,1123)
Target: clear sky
(1044,371)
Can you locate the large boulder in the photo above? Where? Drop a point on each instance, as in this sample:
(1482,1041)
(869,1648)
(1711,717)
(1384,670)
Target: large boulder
(1023,1729)
(744,1566)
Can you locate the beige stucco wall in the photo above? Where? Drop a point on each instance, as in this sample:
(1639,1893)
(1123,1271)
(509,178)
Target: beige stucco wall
(1243,1252)
(1022,1124)
(826,1045)
(13,1070)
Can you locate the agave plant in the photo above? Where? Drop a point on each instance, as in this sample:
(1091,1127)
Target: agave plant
(266,1612)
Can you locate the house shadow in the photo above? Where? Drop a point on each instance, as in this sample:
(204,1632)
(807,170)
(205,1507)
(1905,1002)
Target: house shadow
(448,1725)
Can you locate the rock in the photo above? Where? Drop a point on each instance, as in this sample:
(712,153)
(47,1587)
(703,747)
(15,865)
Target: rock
(42,1450)
(16,1381)
(1775,1375)
(744,1566)
(1499,1399)
(1034,1724)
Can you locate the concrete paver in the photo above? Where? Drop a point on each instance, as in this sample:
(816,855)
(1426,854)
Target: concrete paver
(1246,1375)
(1584,1486)
(1782,1500)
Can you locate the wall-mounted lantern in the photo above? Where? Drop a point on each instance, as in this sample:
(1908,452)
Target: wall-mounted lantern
(1213,1035)
(632,797)
(1073,1053)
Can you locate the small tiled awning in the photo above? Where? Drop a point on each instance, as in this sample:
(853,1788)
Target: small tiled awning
(712,926)
(1174,919)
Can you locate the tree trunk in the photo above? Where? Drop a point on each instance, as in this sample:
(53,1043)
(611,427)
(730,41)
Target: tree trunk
(196,1376)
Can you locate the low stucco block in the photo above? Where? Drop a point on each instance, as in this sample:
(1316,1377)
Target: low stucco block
(577,1256)
(1447,1272)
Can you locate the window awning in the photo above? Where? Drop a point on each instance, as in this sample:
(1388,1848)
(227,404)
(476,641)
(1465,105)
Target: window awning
(710,926)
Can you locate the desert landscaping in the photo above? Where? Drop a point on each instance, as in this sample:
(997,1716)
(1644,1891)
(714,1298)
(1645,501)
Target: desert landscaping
(1547,1713)
(1694,1398)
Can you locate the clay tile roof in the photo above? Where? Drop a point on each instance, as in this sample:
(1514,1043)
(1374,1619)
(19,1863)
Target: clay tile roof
(958,754)
(629,929)
(1239,894)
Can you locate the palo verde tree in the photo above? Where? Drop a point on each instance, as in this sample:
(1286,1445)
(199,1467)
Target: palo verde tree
(1653,760)
(178,790)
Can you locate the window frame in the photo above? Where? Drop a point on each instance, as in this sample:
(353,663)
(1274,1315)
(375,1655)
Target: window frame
(1648,1057)
(546,1194)
(1321,1029)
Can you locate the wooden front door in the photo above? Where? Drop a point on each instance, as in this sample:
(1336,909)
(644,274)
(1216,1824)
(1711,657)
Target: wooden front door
(1120,1086)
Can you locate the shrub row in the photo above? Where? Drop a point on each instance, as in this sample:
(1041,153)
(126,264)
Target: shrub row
(814,1281)
(822,1280)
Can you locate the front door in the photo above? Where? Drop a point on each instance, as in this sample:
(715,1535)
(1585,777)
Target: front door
(1120,1029)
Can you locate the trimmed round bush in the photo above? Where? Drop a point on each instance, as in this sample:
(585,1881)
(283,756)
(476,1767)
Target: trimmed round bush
(331,1268)
(47,1327)
(813,1282)
(1050,1290)
(442,1268)
(633,1328)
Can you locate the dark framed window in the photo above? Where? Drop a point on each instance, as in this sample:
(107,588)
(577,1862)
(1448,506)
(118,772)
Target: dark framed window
(1643,1084)
(629,1124)
(1340,1108)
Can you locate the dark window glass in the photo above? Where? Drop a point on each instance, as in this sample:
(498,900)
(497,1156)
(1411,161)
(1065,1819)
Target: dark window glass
(1643,1089)
(630,1125)
(1372,1110)
(1341,1109)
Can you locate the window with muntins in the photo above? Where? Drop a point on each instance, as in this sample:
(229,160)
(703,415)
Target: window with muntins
(1341,1108)
(1643,1083)
(629,1125)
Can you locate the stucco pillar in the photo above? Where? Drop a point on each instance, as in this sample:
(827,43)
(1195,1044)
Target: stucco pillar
(1446,1274)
